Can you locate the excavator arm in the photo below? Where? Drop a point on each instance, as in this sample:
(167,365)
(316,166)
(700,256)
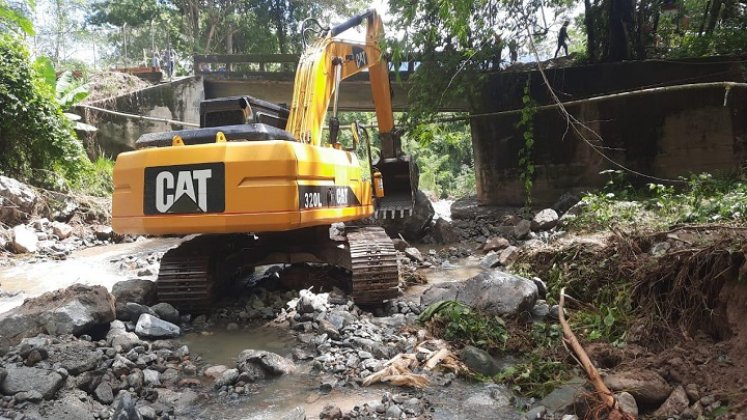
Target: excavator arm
(327,61)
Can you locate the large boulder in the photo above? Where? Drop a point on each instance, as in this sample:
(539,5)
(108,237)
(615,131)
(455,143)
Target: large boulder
(444,232)
(138,291)
(545,220)
(152,327)
(24,240)
(480,361)
(17,201)
(412,228)
(77,356)
(647,387)
(271,363)
(77,310)
(24,379)
(494,292)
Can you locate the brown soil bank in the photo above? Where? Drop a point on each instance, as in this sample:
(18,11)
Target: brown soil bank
(683,293)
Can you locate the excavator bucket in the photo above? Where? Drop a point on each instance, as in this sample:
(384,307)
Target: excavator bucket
(400,176)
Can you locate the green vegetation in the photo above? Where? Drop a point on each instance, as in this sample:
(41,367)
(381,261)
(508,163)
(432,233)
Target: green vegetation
(463,325)
(37,142)
(702,198)
(526,164)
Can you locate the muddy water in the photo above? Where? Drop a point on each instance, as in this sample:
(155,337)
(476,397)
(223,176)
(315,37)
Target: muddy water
(221,347)
(91,266)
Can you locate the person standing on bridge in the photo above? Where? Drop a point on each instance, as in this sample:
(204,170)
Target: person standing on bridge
(562,38)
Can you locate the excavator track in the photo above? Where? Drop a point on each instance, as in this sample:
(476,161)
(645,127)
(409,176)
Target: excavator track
(374,265)
(186,277)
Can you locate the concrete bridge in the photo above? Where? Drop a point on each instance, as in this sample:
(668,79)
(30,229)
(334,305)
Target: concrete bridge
(270,77)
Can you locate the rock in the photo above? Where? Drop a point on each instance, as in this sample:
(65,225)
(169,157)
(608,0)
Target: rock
(77,357)
(215,372)
(103,393)
(76,310)
(400,244)
(152,327)
(627,403)
(496,243)
(166,312)
(444,232)
(24,379)
(271,363)
(228,377)
(103,233)
(147,412)
(152,377)
(414,254)
(71,406)
(675,404)
(544,220)
(331,412)
(411,228)
(62,230)
(24,240)
(508,256)
(135,290)
(562,398)
(440,292)
(565,202)
(124,342)
(131,311)
(540,310)
(124,408)
(499,293)
(491,260)
(310,302)
(541,287)
(692,392)
(17,201)
(479,361)
(522,229)
(32,395)
(394,412)
(536,413)
(482,405)
(646,386)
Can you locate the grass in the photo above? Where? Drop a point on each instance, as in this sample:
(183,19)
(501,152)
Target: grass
(97,181)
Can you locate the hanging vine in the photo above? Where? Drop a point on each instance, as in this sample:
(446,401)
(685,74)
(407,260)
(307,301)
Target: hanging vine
(526,164)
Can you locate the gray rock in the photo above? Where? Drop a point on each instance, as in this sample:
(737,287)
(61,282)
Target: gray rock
(394,412)
(541,287)
(215,372)
(152,327)
(565,202)
(228,377)
(124,408)
(166,312)
(536,413)
(271,363)
(444,232)
(23,379)
(491,260)
(76,310)
(32,395)
(152,377)
(123,343)
(170,377)
(62,230)
(131,311)
(24,240)
(103,393)
(147,412)
(414,254)
(440,292)
(482,405)
(479,361)
(627,403)
(136,290)
(103,233)
(545,220)
(540,310)
(522,229)
(71,406)
(676,403)
(17,201)
(77,356)
(562,398)
(646,386)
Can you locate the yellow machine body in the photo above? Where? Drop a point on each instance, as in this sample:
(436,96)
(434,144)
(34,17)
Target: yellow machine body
(269,186)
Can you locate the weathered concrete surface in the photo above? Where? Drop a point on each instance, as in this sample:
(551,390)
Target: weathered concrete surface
(179,100)
(666,134)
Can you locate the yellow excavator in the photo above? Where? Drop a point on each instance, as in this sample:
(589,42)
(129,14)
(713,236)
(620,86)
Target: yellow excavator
(263,186)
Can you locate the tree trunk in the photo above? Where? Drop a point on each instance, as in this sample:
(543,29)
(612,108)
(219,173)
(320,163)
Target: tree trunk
(705,18)
(620,18)
(714,15)
(591,41)
(277,15)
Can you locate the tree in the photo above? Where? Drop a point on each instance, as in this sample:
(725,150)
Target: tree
(14,18)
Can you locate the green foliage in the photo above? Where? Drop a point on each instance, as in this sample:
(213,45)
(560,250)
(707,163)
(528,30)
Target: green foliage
(461,324)
(15,19)
(36,140)
(536,377)
(98,180)
(444,155)
(526,164)
(702,199)
(66,90)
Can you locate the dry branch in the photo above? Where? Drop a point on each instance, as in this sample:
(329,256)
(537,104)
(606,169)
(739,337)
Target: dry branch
(602,392)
